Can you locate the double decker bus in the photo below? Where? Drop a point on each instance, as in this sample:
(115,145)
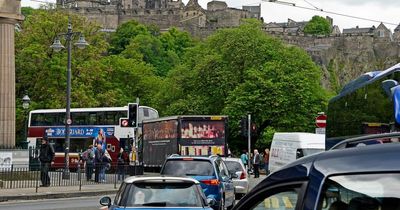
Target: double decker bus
(86,124)
(369,104)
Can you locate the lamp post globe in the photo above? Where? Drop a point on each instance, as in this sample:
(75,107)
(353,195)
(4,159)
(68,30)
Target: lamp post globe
(25,101)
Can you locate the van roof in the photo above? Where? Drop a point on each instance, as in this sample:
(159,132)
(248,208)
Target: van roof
(299,136)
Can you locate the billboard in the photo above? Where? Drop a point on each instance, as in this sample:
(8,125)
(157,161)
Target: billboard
(159,138)
(203,137)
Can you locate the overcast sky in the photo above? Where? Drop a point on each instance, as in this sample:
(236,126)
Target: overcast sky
(386,11)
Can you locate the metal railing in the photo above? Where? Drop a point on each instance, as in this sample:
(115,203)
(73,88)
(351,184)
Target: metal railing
(18,176)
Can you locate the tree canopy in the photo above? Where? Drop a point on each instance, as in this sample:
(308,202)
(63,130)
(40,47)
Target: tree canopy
(233,72)
(318,26)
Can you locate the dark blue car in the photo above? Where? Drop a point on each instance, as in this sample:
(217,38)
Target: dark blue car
(354,177)
(212,174)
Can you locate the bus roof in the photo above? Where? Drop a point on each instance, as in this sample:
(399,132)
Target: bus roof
(93,109)
(363,81)
(197,117)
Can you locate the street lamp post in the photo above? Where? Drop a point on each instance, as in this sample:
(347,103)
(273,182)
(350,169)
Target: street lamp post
(57,46)
(25,104)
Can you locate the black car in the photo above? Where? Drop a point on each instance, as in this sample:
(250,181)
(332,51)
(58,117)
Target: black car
(357,176)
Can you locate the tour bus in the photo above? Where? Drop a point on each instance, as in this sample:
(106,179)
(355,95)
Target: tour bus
(86,124)
(369,104)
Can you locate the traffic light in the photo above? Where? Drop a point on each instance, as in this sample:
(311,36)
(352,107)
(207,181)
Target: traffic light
(253,129)
(244,126)
(132,114)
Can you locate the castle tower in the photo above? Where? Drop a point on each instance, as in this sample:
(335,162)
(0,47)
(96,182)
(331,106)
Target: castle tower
(10,14)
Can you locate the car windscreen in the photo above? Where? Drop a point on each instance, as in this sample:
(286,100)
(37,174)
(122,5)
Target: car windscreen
(233,166)
(192,167)
(160,194)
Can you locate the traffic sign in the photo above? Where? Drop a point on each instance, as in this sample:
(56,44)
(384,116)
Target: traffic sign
(124,122)
(320,121)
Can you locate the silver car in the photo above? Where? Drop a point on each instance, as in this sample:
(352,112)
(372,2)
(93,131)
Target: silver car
(241,183)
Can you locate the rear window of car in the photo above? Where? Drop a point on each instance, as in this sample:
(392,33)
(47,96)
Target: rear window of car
(156,194)
(233,166)
(361,191)
(188,168)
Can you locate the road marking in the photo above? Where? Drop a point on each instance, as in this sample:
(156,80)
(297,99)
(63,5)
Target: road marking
(287,202)
(275,202)
(267,203)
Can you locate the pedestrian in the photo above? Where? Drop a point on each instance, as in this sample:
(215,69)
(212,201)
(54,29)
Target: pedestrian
(105,165)
(122,161)
(256,163)
(88,157)
(46,159)
(245,159)
(266,161)
(98,154)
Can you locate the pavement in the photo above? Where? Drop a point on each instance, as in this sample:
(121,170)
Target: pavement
(72,191)
(57,192)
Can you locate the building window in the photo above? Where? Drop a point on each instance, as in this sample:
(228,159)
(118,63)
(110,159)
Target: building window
(381,34)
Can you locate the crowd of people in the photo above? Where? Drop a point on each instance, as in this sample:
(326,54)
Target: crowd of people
(95,158)
(258,161)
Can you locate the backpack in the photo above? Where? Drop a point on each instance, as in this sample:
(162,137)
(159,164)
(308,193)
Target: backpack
(87,155)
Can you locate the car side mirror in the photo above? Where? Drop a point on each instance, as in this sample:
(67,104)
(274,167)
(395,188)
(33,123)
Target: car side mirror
(211,201)
(105,201)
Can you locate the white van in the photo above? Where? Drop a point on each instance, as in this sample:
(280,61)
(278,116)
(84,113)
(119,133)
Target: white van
(287,147)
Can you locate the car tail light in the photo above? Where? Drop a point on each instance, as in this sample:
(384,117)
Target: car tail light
(243,175)
(189,159)
(211,182)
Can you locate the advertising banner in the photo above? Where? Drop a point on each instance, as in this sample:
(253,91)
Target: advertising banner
(84,132)
(5,160)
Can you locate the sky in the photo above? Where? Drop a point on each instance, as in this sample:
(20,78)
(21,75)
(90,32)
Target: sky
(386,11)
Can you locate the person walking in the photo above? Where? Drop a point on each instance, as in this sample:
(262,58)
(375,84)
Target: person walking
(105,165)
(98,154)
(122,161)
(46,159)
(256,163)
(245,159)
(266,161)
(88,157)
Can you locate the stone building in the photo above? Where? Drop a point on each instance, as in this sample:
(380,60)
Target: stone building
(292,27)
(396,34)
(163,13)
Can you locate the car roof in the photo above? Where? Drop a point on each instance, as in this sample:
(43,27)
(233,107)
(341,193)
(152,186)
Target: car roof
(178,157)
(371,158)
(232,159)
(134,179)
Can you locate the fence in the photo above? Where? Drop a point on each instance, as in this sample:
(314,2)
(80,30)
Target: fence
(16,176)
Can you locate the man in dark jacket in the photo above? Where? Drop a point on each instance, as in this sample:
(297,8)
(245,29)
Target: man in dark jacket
(46,158)
(256,163)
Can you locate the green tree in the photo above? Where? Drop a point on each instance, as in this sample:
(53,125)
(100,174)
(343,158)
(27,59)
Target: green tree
(97,80)
(126,32)
(318,26)
(243,70)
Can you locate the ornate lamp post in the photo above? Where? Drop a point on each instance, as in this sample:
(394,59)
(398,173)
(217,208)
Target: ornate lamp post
(25,104)
(57,46)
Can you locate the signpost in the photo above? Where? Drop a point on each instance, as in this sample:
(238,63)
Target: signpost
(320,122)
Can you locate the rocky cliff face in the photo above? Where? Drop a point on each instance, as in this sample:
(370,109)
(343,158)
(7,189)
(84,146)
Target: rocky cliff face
(344,58)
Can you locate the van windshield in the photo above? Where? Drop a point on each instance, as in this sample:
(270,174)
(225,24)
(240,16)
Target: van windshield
(305,152)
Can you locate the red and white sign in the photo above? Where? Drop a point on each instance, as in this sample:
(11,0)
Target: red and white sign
(320,121)
(124,123)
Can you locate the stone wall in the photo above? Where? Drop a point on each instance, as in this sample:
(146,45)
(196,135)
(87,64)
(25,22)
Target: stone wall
(344,58)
